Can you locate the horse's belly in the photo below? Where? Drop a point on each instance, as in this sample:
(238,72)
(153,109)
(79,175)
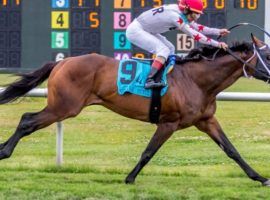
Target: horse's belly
(131,106)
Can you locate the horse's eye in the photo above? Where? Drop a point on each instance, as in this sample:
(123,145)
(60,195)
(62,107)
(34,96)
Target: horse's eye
(268,57)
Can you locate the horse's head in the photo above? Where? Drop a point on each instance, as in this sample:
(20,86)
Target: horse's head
(262,52)
(260,59)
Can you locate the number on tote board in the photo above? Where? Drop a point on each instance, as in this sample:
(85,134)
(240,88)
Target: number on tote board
(93,18)
(122,40)
(122,3)
(60,3)
(156,3)
(60,20)
(218,4)
(5,2)
(60,40)
(80,3)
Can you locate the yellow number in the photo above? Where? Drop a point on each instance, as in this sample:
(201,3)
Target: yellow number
(80,3)
(94,19)
(219,4)
(252,4)
(242,4)
(60,19)
(139,55)
(205,4)
(142,3)
(4,3)
(158,3)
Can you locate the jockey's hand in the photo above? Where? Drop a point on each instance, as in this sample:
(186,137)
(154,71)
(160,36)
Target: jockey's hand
(224,32)
(223,45)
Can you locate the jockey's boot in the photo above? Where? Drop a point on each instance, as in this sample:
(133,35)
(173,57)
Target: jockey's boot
(150,82)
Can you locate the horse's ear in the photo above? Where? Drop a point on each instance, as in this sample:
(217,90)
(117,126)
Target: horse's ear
(252,37)
(256,41)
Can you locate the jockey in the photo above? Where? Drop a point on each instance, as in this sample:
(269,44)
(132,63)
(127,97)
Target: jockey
(145,32)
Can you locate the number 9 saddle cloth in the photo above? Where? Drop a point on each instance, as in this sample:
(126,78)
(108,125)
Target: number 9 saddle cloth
(132,74)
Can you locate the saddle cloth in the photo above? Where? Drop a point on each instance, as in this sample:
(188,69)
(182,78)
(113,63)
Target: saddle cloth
(132,74)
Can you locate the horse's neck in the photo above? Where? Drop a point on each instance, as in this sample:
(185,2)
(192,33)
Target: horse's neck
(213,77)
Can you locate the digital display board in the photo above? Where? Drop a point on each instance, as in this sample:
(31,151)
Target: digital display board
(35,31)
(10,33)
(246,4)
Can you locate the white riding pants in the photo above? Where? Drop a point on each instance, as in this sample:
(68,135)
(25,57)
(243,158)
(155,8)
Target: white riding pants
(153,43)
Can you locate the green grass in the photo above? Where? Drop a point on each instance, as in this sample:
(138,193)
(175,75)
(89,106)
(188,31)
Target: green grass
(101,147)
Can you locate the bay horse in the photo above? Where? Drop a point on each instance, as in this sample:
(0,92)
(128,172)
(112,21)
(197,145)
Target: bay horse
(77,82)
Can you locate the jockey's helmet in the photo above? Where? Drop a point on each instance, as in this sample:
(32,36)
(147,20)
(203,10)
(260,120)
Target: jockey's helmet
(191,5)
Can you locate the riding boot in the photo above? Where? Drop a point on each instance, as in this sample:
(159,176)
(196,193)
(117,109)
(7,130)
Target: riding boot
(150,82)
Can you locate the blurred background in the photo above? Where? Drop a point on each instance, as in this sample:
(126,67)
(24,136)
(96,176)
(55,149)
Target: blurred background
(35,31)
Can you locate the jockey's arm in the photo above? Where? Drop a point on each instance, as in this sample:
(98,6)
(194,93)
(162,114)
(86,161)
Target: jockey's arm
(204,29)
(197,36)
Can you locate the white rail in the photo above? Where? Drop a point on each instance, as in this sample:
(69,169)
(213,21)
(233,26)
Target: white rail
(243,96)
(223,96)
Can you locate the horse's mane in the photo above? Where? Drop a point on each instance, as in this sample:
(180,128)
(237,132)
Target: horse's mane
(198,54)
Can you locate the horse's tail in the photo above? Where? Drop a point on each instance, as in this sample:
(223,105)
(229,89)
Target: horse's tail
(27,82)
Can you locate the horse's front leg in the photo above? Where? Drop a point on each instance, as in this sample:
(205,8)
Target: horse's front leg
(162,134)
(213,129)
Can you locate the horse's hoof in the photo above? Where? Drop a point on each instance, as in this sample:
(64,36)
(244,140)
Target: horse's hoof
(267,183)
(129,180)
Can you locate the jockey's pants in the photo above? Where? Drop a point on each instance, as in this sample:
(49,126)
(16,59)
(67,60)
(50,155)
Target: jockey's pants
(153,43)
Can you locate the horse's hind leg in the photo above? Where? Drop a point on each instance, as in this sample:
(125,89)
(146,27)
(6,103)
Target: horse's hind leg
(29,123)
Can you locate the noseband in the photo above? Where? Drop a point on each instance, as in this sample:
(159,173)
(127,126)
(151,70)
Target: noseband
(256,53)
(247,64)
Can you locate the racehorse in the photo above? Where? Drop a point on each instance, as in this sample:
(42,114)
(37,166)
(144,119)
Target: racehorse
(77,82)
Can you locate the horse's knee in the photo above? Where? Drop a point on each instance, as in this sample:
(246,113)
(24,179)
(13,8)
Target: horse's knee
(30,122)
(26,116)
(26,122)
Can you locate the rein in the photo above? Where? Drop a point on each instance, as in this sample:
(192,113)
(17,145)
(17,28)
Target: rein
(256,53)
(213,57)
(246,63)
(246,24)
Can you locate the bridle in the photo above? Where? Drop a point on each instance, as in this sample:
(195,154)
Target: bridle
(246,63)
(256,52)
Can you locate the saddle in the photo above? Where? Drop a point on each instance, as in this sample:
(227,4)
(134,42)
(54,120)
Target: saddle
(132,74)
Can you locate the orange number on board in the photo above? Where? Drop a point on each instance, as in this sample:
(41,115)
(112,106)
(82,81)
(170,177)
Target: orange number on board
(94,19)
